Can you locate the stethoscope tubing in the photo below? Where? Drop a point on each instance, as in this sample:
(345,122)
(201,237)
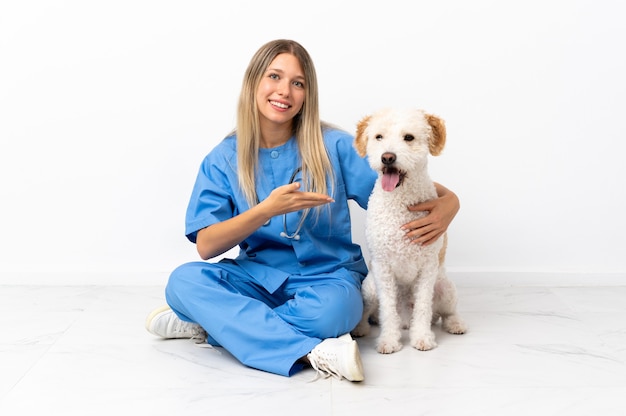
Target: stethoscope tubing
(296,234)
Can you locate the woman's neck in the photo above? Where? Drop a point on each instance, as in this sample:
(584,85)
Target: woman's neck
(274,136)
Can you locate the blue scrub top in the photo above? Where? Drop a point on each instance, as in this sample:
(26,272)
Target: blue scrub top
(325,244)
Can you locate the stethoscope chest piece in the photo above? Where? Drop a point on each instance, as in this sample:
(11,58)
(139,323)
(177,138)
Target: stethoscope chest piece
(294,236)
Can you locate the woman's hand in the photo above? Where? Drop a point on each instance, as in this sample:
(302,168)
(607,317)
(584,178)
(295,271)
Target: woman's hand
(440,213)
(288,198)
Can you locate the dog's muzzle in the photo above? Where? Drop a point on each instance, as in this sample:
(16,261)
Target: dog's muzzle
(392,176)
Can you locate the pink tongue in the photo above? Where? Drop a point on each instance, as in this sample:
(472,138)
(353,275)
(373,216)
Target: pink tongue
(390,181)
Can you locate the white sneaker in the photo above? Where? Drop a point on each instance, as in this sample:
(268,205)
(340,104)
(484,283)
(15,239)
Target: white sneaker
(164,323)
(337,357)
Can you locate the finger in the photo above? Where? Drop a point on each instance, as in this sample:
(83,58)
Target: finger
(416,224)
(314,196)
(286,189)
(311,203)
(427,238)
(308,195)
(419,233)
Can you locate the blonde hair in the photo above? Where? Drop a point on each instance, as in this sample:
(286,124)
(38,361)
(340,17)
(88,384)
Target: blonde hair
(307,127)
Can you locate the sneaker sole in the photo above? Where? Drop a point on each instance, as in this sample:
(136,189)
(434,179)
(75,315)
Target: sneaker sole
(154,314)
(356,373)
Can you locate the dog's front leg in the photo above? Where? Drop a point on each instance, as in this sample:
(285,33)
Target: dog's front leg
(389,340)
(420,333)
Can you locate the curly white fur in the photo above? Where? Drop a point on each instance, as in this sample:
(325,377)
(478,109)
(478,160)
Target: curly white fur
(407,286)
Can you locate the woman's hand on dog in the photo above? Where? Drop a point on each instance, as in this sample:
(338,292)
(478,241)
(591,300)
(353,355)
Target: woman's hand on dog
(440,213)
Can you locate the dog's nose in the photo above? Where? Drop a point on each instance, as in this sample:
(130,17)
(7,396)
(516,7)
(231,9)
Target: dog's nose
(388,158)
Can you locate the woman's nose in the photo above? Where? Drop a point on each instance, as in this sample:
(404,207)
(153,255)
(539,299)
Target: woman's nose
(283,88)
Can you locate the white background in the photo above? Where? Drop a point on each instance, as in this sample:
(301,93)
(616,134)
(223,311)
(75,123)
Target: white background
(108,107)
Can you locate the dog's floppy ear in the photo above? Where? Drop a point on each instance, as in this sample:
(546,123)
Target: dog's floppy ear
(438,138)
(360,141)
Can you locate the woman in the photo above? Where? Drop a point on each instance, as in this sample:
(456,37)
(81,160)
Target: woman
(278,186)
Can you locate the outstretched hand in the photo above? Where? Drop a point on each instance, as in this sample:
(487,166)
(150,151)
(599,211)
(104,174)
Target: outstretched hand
(288,198)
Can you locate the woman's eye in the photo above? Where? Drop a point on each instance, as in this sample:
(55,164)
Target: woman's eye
(408,137)
(298,84)
(379,137)
(273,76)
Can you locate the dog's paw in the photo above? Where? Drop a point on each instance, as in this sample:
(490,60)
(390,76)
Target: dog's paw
(384,346)
(424,343)
(362,329)
(454,325)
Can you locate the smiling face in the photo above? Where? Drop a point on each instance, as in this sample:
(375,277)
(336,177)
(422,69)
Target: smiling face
(281,92)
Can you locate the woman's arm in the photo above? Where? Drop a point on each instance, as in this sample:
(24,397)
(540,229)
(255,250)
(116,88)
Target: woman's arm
(441,211)
(222,236)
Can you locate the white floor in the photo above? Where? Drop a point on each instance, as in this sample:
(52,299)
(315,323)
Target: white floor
(70,350)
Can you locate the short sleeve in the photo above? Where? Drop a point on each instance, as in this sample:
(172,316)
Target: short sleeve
(212,199)
(358,176)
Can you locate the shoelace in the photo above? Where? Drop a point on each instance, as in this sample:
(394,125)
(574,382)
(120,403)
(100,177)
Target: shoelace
(199,339)
(198,335)
(322,367)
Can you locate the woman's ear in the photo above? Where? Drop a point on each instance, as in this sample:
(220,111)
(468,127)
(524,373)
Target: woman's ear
(438,139)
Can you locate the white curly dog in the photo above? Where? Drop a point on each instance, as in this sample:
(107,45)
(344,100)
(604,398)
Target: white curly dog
(407,286)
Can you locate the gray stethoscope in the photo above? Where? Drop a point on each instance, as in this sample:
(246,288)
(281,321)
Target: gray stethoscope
(284,233)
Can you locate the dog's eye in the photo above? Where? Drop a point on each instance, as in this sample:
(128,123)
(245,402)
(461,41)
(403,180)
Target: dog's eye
(379,137)
(409,137)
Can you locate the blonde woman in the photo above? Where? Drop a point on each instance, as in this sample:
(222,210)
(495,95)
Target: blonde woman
(278,187)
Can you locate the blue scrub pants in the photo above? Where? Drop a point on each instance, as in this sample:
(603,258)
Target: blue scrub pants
(267,331)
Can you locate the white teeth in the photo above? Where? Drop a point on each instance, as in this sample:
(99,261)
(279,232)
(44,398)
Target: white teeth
(277,104)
